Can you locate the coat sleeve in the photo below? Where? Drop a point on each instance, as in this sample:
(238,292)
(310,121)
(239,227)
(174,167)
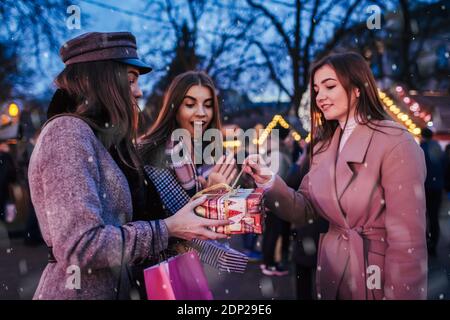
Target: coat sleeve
(290,205)
(69,174)
(403,176)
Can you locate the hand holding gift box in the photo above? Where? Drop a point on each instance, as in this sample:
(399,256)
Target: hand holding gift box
(244,207)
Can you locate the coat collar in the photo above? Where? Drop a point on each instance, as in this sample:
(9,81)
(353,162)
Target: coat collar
(333,173)
(354,151)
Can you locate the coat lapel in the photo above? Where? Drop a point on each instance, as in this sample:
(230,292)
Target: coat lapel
(323,184)
(354,151)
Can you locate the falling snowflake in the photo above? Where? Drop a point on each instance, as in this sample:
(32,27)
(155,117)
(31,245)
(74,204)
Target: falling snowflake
(394,67)
(106,125)
(227,291)
(23,268)
(441,296)
(277,204)
(134,294)
(319,296)
(266,287)
(90,159)
(410,250)
(310,221)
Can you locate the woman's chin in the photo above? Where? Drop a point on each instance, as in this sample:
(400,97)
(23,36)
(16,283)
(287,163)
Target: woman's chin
(330,117)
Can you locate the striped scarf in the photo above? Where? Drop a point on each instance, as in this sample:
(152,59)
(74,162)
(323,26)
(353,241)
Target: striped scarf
(185,170)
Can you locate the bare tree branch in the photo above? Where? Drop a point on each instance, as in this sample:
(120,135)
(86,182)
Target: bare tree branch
(277,24)
(271,67)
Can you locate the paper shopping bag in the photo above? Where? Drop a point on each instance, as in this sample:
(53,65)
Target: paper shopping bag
(178,278)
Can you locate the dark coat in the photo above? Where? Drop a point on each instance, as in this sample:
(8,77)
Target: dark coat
(306,237)
(7,177)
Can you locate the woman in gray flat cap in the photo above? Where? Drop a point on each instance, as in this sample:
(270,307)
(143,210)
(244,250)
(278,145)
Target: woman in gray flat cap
(77,180)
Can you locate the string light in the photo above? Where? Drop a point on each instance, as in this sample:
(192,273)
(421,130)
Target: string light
(401,116)
(412,105)
(277,119)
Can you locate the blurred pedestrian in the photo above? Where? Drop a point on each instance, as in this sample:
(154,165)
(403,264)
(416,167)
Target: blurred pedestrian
(276,228)
(8,177)
(447,170)
(434,185)
(33,235)
(306,237)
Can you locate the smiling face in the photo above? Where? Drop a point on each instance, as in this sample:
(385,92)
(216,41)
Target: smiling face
(196,109)
(331,96)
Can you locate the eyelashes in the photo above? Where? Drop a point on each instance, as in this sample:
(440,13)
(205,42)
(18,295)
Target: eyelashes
(193,105)
(328,87)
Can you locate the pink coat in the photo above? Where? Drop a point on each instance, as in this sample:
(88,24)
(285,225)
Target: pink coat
(373,196)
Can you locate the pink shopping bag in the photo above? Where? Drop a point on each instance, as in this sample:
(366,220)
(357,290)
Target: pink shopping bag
(178,278)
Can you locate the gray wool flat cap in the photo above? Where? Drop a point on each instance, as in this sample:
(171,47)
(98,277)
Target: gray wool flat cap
(100,46)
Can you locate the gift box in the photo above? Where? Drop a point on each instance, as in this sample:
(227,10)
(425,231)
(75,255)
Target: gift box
(244,207)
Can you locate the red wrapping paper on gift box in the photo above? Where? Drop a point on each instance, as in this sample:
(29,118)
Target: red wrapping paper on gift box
(244,207)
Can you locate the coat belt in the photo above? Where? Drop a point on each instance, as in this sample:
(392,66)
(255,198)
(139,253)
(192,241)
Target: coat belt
(359,239)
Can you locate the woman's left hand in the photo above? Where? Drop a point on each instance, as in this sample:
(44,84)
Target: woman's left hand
(225,171)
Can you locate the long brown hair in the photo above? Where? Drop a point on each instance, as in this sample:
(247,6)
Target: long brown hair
(353,72)
(103,99)
(156,137)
